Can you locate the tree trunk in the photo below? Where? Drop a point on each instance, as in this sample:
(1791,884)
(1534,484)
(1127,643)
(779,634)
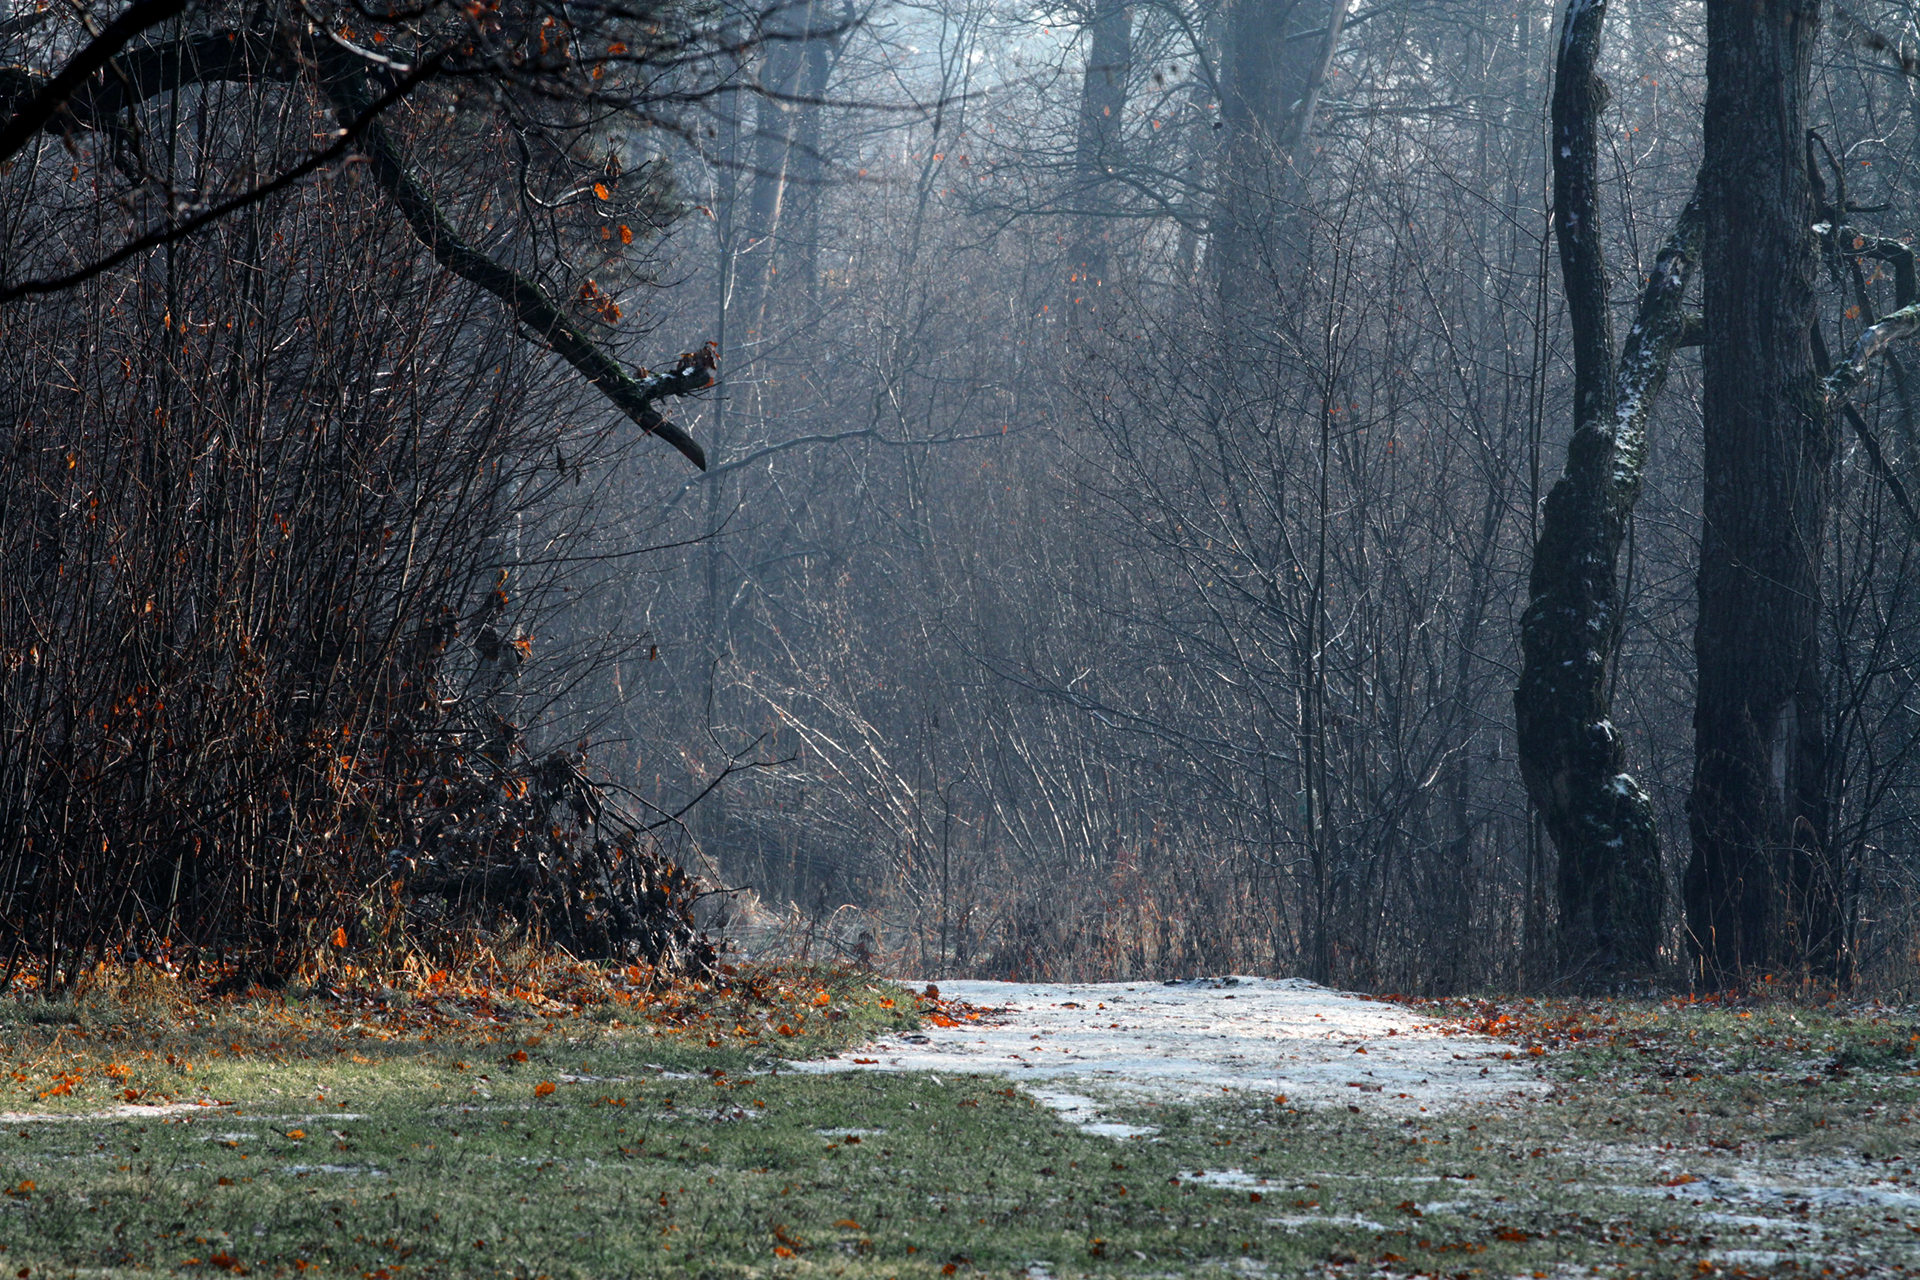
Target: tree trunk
(1759,892)
(1571,756)
(1097,149)
(800,249)
(1275,63)
(785,151)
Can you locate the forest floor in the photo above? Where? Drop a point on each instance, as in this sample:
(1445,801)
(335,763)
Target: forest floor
(807,1123)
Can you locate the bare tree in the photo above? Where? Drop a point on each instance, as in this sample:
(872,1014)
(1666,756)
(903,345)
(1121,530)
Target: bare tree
(1571,754)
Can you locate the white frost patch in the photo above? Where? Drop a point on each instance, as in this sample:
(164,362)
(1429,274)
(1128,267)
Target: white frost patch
(1153,1042)
(1084,1113)
(1230,1178)
(1294,1222)
(132,1111)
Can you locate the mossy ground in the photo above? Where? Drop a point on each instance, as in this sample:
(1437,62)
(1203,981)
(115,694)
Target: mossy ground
(368,1152)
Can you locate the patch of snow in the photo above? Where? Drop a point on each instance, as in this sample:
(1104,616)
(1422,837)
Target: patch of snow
(1841,1197)
(1750,1257)
(1228,1178)
(132,1111)
(1294,1222)
(1748,1220)
(1119,1042)
(1115,1129)
(1084,1114)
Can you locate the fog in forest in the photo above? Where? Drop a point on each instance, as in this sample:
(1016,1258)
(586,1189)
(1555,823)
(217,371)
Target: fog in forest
(972,488)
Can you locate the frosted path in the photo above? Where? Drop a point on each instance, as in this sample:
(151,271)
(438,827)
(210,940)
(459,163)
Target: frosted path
(1151,1042)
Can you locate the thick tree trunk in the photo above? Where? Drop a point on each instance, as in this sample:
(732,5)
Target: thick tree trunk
(1759,890)
(1571,756)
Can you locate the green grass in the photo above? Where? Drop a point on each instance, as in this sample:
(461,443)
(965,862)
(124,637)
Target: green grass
(446,1157)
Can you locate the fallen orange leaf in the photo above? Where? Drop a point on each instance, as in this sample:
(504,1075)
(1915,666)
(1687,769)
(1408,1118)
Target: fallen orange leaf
(543,1089)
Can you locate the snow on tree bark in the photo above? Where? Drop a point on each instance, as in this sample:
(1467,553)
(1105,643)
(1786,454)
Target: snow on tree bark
(1571,755)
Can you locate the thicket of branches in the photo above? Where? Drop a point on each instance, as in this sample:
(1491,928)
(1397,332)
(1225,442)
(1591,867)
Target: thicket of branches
(299,459)
(1128,486)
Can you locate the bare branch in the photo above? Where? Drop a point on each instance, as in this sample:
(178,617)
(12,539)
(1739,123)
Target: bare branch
(140,16)
(344,81)
(1873,340)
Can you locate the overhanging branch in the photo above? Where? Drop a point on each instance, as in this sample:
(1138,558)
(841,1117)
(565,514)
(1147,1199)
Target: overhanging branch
(345,83)
(143,15)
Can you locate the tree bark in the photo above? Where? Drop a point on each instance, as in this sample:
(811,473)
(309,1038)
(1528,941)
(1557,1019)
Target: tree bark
(1571,756)
(1760,892)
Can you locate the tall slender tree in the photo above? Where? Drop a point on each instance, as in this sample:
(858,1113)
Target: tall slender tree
(1097,147)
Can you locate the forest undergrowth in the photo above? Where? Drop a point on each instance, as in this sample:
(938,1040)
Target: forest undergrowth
(553,1120)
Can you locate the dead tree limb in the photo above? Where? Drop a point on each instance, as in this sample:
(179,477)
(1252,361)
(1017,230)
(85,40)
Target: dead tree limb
(96,84)
(45,105)
(344,80)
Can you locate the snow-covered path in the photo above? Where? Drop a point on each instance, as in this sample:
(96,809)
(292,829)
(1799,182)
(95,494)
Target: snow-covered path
(1162,1042)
